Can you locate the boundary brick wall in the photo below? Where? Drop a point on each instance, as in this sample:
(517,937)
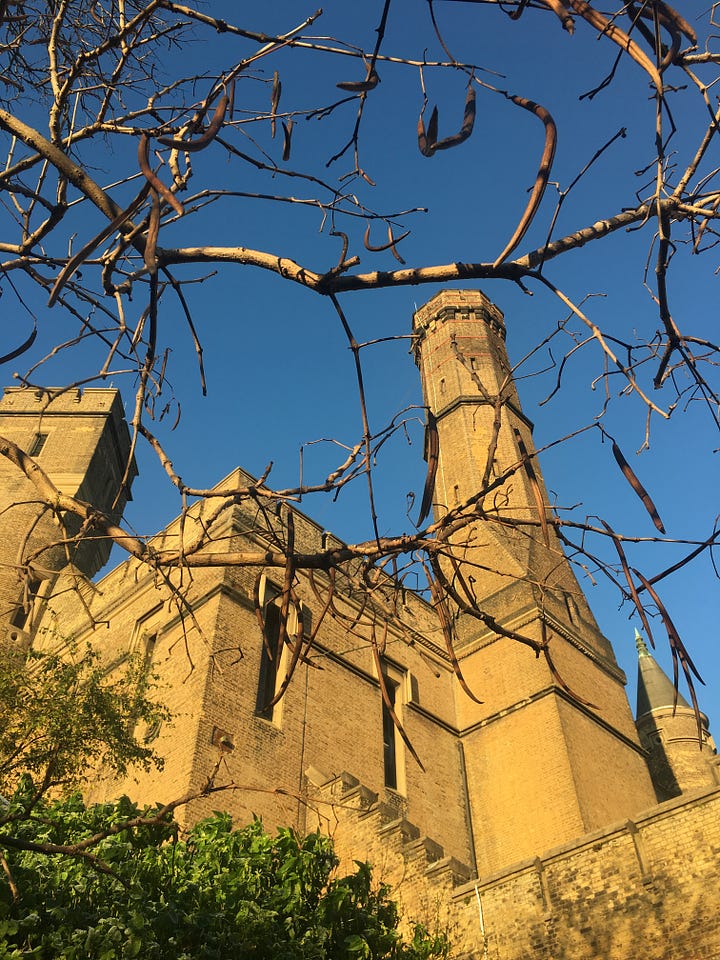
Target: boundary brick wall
(645,889)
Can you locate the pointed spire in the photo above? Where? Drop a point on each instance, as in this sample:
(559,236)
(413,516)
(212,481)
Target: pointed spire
(654,688)
(641,645)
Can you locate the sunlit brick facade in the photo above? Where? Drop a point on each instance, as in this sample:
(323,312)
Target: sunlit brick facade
(531,826)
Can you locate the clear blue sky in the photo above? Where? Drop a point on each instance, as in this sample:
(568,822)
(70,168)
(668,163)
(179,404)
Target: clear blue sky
(279,371)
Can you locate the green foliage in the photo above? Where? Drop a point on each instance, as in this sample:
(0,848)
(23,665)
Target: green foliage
(217,894)
(62,716)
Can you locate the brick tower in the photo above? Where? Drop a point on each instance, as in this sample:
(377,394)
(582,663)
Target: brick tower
(549,755)
(80,439)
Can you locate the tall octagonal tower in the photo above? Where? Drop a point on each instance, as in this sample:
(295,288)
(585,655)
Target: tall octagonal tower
(552,751)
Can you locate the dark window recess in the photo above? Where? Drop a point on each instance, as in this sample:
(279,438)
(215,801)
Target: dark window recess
(148,650)
(145,650)
(267,681)
(271,653)
(306,621)
(389,743)
(37,444)
(21,616)
(572,608)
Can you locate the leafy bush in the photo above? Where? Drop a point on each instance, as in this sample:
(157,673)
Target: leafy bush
(213,894)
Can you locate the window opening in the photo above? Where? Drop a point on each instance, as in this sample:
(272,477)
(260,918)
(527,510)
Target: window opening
(273,657)
(389,731)
(269,657)
(147,650)
(22,614)
(393,754)
(37,444)
(572,608)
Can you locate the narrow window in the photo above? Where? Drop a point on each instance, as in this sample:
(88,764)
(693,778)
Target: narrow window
(147,651)
(141,653)
(273,657)
(572,608)
(389,731)
(271,652)
(267,681)
(22,614)
(393,753)
(37,444)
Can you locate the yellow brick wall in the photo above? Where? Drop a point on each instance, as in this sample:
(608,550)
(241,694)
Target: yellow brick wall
(504,781)
(85,455)
(642,889)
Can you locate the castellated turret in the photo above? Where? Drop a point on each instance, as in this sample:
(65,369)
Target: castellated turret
(80,440)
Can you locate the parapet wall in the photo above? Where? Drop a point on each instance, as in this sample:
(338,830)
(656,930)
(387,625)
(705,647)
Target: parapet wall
(643,890)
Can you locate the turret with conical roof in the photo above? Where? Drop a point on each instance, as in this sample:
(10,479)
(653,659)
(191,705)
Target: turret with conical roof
(678,741)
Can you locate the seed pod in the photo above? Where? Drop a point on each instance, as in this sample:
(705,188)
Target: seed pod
(154,181)
(274,101)
(213,128)
(428,140)
(432,454)
(390,245)
(287,134)
(360,86)
(618,36)
(467,125)
(541,180)
(639,489)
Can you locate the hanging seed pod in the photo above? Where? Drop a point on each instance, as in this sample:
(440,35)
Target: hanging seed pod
(154,181)
(467,125)
(541,180)
(213,128)
(639,489)
(287,135)
(618,36)
(360,86)
(274,102)
(432,454)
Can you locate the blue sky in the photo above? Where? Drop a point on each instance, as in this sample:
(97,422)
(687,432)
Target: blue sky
(280,375)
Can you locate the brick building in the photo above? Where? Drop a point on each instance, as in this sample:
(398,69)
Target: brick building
(544,822)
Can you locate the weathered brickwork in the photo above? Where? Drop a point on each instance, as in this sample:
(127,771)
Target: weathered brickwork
(645,889)
(541,795)
(80,440)
(528,746)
